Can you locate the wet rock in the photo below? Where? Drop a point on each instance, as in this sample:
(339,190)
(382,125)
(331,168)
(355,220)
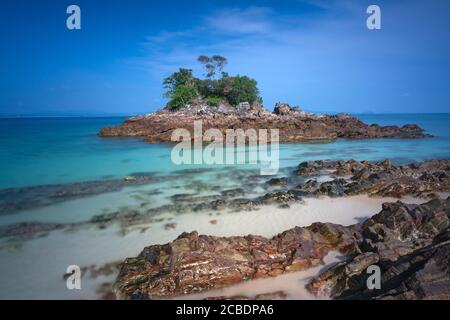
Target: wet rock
(238,192)
(334,188)
(13,236)
(308,168)
(309,187)
(279,197)
(18,199)
(194,263)
(243,205)
(277,182)
(383,179)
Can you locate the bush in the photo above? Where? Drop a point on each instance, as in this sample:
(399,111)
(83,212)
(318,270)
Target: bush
(243,89)
(182,95)
(213,101)
(182,87)
(176,79)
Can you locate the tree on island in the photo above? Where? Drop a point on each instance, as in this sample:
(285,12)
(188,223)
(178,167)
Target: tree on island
(212,64)
(183,88)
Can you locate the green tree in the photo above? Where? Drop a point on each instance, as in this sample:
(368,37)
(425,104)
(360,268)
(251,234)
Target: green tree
(176,79)
(181,88)
(243,89)
(182,95)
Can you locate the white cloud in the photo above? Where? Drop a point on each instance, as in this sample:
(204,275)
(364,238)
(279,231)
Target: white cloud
(237,21)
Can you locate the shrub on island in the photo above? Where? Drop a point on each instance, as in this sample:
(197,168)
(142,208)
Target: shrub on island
(183,88)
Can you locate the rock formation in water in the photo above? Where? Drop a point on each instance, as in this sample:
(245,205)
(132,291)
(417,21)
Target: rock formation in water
(382,178)
(293,124)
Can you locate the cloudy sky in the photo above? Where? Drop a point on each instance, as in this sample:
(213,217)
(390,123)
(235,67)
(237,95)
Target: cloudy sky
(315,54)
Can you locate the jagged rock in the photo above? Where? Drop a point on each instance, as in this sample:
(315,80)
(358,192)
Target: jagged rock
(334,188)
(411,245)
(382,178)
(309,187)
(279,197)
(309,168)
(282,109)
(193,263)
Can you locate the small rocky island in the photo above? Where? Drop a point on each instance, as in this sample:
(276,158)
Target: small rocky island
(233,102)
(293,124)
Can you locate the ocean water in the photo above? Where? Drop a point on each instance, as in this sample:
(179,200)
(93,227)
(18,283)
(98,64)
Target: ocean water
(40,152)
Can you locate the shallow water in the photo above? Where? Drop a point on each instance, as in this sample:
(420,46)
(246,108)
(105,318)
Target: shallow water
(37,152)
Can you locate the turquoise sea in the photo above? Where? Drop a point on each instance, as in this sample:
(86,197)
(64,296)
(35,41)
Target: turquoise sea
(59,178)
(37,151)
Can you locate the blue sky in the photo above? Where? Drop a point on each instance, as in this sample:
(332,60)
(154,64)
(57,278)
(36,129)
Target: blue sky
(315,54)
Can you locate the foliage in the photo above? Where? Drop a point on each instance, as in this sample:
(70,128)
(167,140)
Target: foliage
(213,101)
(243,89)
(212,64)
(182,87)
(181,96)
(183,77)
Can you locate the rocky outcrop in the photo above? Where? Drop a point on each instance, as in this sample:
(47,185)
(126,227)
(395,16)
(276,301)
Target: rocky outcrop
(381,178)
(292,123)
(411,244)
(194,263)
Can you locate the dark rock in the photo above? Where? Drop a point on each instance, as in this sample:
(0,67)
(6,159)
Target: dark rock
(277,182)
(382,178)
(279,197)
(411,245)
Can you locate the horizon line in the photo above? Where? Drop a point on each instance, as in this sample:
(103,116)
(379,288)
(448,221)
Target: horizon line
(118,115)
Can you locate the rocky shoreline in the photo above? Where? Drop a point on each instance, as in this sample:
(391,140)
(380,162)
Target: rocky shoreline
(293,124)
(410,243)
